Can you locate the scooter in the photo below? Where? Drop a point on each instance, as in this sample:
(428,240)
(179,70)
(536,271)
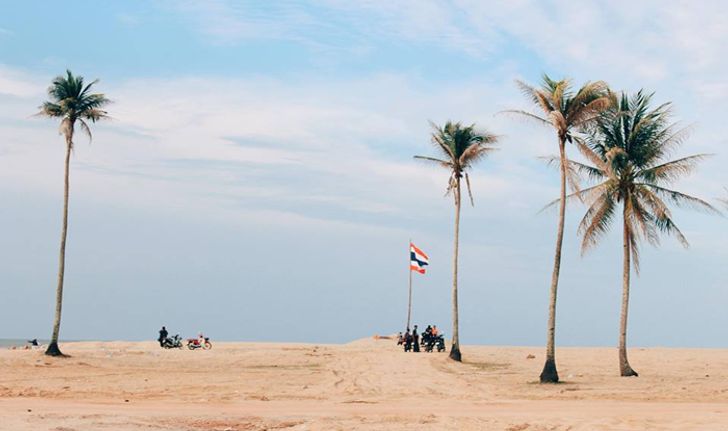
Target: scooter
(172,342)
(194,343)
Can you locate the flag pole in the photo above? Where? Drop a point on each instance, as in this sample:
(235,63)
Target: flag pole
(409,270)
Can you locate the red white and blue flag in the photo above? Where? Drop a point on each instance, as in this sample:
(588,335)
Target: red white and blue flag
(418,259)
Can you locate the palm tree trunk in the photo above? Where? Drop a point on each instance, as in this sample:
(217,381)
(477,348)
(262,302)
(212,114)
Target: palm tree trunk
(455,347)
(53,349)
(625,369)
(549,373)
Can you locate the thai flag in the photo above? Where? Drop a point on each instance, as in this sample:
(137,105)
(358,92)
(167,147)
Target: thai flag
(418,259)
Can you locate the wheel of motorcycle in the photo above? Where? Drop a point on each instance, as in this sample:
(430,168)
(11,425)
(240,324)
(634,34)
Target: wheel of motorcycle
(207,345)
(190,346)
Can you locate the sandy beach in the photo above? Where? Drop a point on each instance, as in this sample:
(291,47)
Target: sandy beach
(366,384)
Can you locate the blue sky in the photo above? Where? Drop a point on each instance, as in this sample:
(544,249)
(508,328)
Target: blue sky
(256,181)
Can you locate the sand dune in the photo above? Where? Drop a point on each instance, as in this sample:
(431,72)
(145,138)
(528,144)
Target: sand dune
(368,384)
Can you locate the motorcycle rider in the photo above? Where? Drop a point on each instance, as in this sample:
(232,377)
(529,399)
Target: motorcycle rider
(162,336)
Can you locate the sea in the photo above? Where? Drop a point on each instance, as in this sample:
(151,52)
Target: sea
(15,342)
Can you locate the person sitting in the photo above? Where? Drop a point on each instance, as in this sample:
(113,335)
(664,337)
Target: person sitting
(435,332)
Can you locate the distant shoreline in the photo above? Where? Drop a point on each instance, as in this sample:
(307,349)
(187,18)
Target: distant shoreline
(22,342)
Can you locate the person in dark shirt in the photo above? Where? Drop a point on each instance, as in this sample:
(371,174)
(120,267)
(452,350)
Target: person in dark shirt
(415,340)
(162,336)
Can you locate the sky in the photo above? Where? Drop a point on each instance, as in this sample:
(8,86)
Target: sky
(256,180)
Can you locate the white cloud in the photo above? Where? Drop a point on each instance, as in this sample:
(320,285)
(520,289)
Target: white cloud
(632,43)
(319,150)
(317,147)
(14,82)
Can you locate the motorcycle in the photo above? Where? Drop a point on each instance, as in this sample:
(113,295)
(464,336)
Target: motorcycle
(172,342)
(430,342)
(194,343)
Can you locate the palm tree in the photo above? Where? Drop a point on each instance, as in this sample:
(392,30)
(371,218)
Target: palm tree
(460,147)
(73,103)
(628,147)
(567,113)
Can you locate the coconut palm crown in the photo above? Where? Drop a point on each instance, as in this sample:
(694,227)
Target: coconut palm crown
(460,148)
(628,149)
(72,102)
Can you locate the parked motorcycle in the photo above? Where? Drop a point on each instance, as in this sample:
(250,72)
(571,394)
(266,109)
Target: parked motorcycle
(194,343)
(172,342)
(430,342)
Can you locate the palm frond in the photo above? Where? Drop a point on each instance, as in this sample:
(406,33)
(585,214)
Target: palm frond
(537,96)
(592,157)
(596,221)
(637,215)
(519,113)
(470,192)
(587,195)
(86,129)
(681,200)
(439,162)
(475,153)
(588,112)
(635,253)
(673,170)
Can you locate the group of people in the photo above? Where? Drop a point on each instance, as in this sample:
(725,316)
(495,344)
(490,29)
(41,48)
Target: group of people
(411,340)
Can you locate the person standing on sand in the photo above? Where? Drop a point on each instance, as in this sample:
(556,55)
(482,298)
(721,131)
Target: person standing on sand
(162,336)
(415,340)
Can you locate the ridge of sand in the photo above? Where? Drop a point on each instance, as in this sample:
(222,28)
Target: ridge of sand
(365,384)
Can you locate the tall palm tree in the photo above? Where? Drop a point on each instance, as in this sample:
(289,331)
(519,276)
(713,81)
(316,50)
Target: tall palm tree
(73,103)
(460,147)
(628,147)
(567,112)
